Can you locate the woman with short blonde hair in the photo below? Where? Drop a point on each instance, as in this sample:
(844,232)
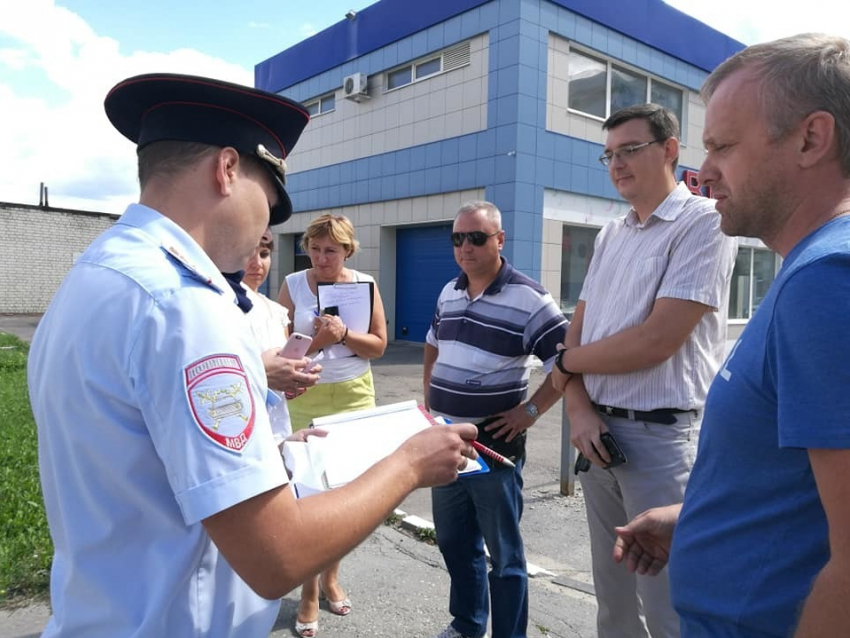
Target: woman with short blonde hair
(346,382)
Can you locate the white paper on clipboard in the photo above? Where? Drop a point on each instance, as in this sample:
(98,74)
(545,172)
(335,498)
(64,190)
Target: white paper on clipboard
(354,301)
(355,441)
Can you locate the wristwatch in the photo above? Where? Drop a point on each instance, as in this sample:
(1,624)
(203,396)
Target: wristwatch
(532,410)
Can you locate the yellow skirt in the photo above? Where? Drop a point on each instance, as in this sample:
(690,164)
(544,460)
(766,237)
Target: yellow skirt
(332,398)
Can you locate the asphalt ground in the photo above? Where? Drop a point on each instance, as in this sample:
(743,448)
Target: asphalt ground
(397,581)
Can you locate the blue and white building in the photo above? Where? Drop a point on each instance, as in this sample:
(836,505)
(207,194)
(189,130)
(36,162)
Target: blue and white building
(417,107)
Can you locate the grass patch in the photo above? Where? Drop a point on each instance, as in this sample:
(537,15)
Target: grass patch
(26,550)
(427,534)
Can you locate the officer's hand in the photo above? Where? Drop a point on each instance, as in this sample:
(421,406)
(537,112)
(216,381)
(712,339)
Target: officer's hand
(437,453)
(585,427)
(289,375)
(303,434)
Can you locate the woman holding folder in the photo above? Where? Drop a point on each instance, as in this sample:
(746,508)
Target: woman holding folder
(346,378)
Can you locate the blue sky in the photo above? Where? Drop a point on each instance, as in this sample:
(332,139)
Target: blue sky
(58,58)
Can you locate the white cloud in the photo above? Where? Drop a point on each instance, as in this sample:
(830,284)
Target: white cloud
(307,30)
(67,142)
(14,59)
(258,25)
(761,20)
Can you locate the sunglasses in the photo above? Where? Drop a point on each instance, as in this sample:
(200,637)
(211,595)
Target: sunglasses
(475,237)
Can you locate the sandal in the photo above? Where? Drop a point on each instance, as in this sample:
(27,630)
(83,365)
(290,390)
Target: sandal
(339,607)
(307,629)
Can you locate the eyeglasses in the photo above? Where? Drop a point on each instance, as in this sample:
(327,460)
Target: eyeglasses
(475,237)
(625,153)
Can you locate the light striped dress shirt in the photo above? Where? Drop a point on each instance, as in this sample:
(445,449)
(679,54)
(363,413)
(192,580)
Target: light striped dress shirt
(679,253)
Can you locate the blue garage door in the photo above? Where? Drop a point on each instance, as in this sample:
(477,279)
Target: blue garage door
(424,264)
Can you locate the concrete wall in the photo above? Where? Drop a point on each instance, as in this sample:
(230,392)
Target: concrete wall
(37,248)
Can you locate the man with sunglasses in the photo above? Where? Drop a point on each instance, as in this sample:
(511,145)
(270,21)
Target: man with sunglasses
(647,337)
(165,492)
(489,323)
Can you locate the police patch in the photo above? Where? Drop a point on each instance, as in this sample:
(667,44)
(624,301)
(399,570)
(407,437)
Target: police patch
(217,388)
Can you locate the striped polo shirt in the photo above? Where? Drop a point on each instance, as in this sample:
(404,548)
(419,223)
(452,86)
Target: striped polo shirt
(679,253)
(485,345)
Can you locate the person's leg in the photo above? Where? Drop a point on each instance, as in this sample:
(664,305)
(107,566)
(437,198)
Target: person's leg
(344,396)
(308,609)
(660,461)
(330,587)
(619,613)
(498,504)
(460,541)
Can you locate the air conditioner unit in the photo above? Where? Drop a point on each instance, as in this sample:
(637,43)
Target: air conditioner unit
(355,87)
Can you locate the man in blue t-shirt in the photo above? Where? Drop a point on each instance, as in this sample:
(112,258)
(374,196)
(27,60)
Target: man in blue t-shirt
(761,545)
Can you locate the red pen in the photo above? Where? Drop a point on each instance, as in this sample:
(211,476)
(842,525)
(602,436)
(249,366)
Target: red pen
(492,453)
(483,449)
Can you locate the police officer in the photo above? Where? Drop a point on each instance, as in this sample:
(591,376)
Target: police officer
(165,494)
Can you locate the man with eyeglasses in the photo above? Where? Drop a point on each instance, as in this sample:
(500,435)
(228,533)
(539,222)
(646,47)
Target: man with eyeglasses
(489,323)
(647,337)
(165,492)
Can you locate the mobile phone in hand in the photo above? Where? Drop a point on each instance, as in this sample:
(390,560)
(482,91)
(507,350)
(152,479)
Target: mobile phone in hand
(614,451)
(296,346)
(331,310)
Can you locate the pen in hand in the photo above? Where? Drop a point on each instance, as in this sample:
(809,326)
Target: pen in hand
(483,449)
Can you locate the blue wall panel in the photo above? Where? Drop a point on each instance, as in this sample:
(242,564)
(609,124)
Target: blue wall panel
(424,264)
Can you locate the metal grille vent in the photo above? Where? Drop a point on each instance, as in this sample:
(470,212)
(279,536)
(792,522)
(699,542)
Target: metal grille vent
(456,57)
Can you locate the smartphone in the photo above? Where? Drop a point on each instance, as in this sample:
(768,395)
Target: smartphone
(614,451)
(296,346)
(331,310)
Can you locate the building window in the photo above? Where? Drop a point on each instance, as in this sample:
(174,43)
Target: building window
(452,58)
(431,67)
(599,87)
(321,105)
(399,77)
(755,270)
(576,251)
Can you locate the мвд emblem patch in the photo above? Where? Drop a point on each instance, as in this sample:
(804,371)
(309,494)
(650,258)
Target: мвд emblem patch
(217,388)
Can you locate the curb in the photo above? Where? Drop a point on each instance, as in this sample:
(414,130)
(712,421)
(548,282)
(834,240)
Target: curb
(418,524)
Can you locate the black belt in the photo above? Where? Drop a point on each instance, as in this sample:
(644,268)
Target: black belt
(665,416)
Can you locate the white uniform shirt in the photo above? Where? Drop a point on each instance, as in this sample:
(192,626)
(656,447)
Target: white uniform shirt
(268,321)
(149,395)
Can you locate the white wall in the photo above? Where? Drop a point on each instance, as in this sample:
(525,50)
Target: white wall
(38,246)
(443,106)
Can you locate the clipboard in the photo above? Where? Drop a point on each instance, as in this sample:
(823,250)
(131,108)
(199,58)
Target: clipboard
(354,301)
(356,441)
